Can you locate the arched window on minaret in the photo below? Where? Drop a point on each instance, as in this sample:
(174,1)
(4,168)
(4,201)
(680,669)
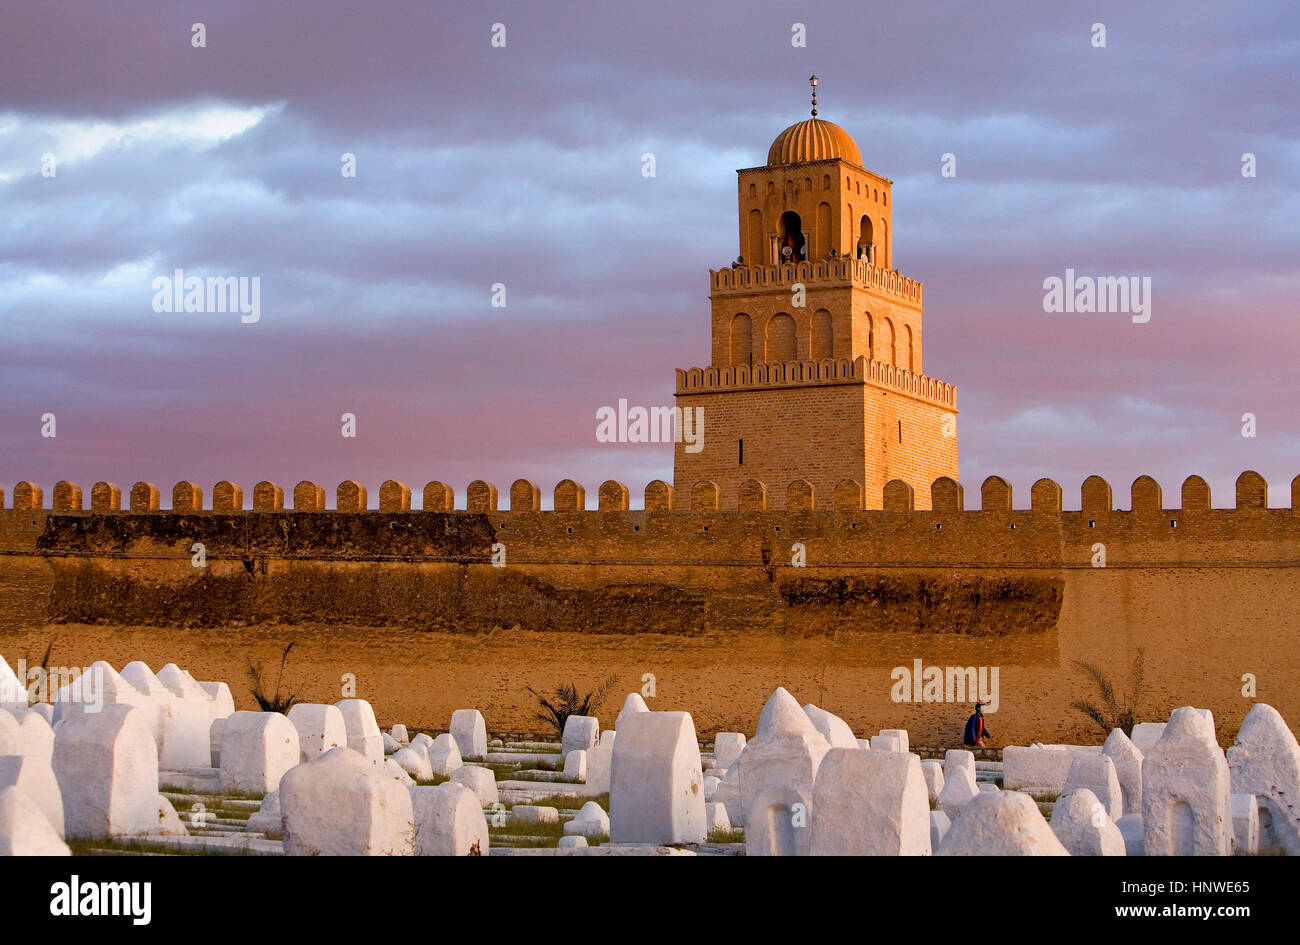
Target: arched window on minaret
(871,338)
(821,338)
(890,343)
(742,341)
(864,239)
(907,338)
(780,338)
(791,238)
(756,252)
(822,245)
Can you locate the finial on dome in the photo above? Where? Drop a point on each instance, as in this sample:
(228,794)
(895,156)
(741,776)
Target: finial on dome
(813,82)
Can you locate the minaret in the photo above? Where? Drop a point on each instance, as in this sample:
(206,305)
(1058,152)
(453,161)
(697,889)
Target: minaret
(816,370)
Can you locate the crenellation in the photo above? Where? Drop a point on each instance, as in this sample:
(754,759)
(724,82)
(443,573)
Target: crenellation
(394,496)
(308,496)
(1095,496)
(947,495)
(145,497)
(569,496)
(995,495)
(1045,496)
(800,496)
(350,496)
(612,497)
(187,497)
(227,497)
(1145,496)
(439,497)
(480,496)
(525,496)
(105,497)
(268,497)
(28,495)
(67,496)
(1252,491)
(1196,494)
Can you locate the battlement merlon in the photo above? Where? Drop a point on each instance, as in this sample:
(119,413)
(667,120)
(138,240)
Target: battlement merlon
(748,280)
(812,373)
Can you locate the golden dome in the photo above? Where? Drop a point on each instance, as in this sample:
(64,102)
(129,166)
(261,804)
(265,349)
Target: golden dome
(813,140)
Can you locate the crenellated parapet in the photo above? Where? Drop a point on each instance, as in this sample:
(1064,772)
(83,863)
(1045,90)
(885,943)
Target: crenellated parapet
(1146,498)
(698,380)
(746,279)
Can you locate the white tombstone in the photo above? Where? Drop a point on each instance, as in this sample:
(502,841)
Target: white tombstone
(26,732)
(422,738)
(257,748)
(24,831)
(1265,761)
(267,819)
(776,773)
(1245,824)
(215,731)
(710,787)
(364,736)
(223,701)
(13,691)
(397,773)
(444,756)
(958,790)
(932,771)
(1185,789)
(727,794)
(100,685)
(572,841)
(939,826)
(1007,823)
(1146,734)
(1040,769)
(1097,774)
(34,776)
(987,787)
(449,821)
(532,814)
(160,698)
(343,804)
(656,791)
(631,705)
(870,803)
(391,745)
(575,766)
(470,732)
(864,744)
(168,822)
(1130,828)
(413,763)
(716,819)
(580,733)
(891,739)
(727,747)
(833,728)
(106,764)
(1128,768)
(320,727)
(958,758)
(398,733)
(480,780)
(186,741)
(599,759)
(591,822)
(1081,823)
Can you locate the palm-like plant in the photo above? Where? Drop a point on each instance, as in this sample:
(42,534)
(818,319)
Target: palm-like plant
(565,702)
(1113,712)
(275,702)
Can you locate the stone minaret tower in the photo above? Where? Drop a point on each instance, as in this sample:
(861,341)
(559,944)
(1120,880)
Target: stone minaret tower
(816,370)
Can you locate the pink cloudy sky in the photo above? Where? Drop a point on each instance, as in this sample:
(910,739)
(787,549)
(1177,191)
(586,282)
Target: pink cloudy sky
(522,166)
